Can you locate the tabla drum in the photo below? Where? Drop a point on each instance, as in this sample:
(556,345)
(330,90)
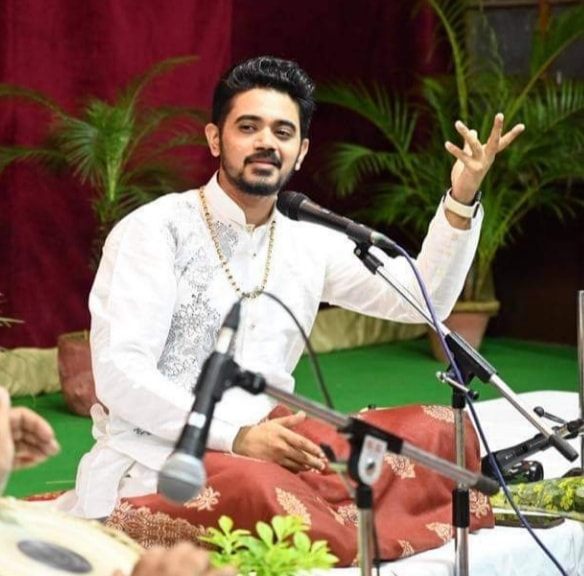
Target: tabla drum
(36,540)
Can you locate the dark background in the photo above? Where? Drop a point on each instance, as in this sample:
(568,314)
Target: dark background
(71,49)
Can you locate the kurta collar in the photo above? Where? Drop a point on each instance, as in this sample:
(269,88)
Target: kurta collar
(224,208)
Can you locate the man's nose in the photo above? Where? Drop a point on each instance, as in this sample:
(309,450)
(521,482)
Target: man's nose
(264,139)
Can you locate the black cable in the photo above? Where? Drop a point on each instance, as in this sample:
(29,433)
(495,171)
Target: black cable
(318,375)
(313,358)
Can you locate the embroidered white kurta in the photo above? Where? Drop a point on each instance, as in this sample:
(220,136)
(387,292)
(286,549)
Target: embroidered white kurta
(161,294)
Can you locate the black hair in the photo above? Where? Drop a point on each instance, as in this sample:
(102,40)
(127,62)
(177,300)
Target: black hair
(266,72)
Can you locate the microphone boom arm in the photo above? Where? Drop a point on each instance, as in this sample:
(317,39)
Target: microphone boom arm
(351,426)
(470,360)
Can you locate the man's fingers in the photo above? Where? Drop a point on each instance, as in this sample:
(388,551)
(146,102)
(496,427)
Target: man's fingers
(5,410)
(30,440)
(292,465)
(471,141)
(4,407)
(492,145)
(507,138)
(459,154)
(303,451)
(34,439)
(290,421)
(467,147)
(30,422)
(30,428)
(303,444)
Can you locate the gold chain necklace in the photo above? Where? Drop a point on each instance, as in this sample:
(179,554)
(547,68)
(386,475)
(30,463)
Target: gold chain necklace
(223,260)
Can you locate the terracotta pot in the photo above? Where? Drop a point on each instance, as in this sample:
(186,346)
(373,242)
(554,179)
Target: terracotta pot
(470,320)
(74,361)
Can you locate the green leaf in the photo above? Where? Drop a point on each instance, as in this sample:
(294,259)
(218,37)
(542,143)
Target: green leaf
(131,94)
(265,533)
(28,95)
(301,541)
(226,524)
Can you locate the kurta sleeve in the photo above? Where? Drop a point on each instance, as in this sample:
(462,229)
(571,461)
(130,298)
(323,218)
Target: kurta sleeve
(443,262)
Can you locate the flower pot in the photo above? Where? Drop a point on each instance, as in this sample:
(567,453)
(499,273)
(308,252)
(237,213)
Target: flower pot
(469,320)
(74,361)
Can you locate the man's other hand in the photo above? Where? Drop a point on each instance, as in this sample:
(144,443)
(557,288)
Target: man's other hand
(274,440)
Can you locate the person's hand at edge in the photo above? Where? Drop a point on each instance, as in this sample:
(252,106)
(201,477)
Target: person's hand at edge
(183,559)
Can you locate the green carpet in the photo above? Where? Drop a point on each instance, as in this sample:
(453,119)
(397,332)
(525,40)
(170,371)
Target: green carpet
(383,375)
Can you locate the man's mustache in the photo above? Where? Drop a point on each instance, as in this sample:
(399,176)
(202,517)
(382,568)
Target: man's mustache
(264,157)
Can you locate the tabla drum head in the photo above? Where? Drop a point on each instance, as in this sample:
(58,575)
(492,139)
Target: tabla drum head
(36,540)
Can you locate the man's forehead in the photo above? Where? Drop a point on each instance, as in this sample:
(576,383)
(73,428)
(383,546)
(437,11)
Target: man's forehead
(264,104)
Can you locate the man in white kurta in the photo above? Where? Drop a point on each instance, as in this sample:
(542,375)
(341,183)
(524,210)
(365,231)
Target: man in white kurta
(163,289)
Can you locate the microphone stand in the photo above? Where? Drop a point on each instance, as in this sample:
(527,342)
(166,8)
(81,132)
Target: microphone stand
(471,364)
(368,445)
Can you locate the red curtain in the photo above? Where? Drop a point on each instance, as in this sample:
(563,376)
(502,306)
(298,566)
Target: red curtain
(71,49)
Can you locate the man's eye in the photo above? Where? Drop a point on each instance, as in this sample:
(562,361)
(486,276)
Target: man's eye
(246,127)
(283,133)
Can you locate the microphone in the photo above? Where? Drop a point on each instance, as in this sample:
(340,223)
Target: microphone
(297,206)
(183,475)
(508,457)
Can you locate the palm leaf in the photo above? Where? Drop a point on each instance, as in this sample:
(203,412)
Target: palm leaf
(564,30)
(389,114)
(440,97)
(29,95)
(133,92)
(10,154)
(95,145)
(452,15)
(152,121)
(351,164)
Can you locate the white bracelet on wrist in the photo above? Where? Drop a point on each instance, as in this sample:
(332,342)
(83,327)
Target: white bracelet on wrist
(464,210)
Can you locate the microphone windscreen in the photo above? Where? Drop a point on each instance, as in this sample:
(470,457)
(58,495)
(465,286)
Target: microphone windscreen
(288,203)
(182,477)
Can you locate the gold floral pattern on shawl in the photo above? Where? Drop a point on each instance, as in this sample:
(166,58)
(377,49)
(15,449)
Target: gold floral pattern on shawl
(443,413)
(206,500)
(479,504)
(407,548)
(336,516)
(349,514)
(334,513)
(293,506)
(401,466)
(152,528)
(441,529)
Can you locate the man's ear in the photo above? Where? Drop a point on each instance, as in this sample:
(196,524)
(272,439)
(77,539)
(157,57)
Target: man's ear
(213,139)
(303,151)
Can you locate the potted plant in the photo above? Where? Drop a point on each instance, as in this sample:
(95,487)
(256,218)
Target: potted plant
(281,547)
(536,173)
(125,151)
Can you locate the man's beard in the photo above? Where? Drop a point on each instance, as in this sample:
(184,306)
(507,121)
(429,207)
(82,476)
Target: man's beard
(260,187)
